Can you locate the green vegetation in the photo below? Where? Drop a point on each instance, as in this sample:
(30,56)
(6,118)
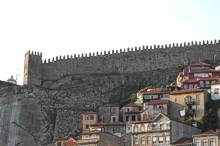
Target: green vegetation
(210,121)
(122,93)
(133,97)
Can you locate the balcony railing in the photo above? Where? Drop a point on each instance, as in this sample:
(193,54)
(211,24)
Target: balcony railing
(190,102)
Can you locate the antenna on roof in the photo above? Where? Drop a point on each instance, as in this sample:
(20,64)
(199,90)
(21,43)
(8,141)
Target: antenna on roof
(17,75)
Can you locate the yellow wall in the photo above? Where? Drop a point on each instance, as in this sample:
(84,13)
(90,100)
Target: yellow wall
(178,102)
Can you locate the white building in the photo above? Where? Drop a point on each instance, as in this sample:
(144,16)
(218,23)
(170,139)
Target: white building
(215,94)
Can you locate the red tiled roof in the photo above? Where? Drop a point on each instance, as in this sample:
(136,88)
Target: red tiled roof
(191,81)
(195,80)
(89,113)
(203,71)
(156,91)
(131,105)
(134,111)
(184,141)
(141,122)
(186,91)
(155,102)
(200,64)
(109,124)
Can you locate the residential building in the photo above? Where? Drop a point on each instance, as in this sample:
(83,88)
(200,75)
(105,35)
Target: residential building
(192,101)
(99,138)
(208,138)
(154,107)
(198,75)
(131,116)
(89,138)
(108,113)
(215,91)
(162,130)
(117,128)
(153,94)
(127,108)
(89,118)
(66,141)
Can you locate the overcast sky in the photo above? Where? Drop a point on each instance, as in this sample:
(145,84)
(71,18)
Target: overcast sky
(67,27)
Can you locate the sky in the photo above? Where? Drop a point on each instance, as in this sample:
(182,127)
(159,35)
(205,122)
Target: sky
(68,27)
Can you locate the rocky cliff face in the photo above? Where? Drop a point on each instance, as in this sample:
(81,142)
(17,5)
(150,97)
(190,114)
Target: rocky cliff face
(38,115)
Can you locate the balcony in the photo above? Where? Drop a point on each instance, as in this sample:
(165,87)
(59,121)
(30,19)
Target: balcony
(190,102)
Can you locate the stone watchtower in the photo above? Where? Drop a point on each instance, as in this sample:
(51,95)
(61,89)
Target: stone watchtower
(32,68)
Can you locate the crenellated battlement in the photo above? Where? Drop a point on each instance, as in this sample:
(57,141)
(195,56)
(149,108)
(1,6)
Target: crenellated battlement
(134,59)
(129,50)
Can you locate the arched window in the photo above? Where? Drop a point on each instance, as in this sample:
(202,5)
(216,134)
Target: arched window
(145,117)
(149,127)
(142,128)
(135,128)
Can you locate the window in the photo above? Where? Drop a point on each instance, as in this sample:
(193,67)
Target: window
(135,128)
(167,139)
(86,117)
(190,86)
(147,97)
(198,142)
(207,83)
(216,90)
(185,86)
(201,84)
(136,140)
(160,139)
(59,144)
(197,99)
(161,127)
(205,142)
(197,107)
(212,142)
(133,118)
(91,117)
(114,119)
(113,110)
(145,117)
(142,128)
(93,136)
(149,127)
(195,85)
(149,141)
(154,140)
(87,126)
(142,140)
(168,125)
(127,118)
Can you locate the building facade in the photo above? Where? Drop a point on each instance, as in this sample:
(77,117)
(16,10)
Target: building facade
(162,130)
(89,118)
(108,113)
(192,101)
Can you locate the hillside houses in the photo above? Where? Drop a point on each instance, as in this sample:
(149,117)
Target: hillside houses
(159,115)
